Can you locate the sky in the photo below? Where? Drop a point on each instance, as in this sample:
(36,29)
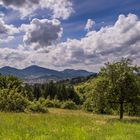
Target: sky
(74,34)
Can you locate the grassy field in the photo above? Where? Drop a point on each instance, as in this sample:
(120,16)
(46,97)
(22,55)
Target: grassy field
(67,125)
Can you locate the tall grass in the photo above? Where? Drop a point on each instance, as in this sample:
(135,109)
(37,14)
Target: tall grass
(67,125)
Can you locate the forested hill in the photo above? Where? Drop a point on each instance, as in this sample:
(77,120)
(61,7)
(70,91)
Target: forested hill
(36,74)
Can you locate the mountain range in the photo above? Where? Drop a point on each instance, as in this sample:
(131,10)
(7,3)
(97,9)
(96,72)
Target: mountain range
(36,74)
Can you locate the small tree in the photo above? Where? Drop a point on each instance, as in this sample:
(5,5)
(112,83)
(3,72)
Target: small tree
(12,94)
(122,86)
(100,96)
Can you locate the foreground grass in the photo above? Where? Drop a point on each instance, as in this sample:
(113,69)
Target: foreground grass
(67,125)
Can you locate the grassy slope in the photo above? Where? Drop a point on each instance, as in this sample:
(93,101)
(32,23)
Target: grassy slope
(67,125)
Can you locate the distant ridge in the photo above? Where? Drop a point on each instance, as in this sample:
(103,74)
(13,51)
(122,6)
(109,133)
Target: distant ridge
(37,74)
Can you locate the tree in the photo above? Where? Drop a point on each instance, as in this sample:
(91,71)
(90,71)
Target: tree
(72,95)
(10,82)
(37,92)
(11,100)
(100,96)
(50,90)
(121,83)
(12,94)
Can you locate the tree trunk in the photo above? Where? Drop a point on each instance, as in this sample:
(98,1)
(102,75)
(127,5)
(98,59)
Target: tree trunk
(121,110)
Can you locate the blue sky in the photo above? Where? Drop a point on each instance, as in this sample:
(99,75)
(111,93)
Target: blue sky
(104,12)
(30,29)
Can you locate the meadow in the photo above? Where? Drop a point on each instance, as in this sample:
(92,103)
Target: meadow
(61,124)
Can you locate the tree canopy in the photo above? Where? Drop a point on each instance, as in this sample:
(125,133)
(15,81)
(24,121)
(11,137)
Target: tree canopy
(119,84)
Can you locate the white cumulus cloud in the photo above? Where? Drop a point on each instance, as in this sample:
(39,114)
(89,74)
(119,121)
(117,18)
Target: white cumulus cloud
(59,8)
(90,52)
(42,33)
(109,43)
(7,32)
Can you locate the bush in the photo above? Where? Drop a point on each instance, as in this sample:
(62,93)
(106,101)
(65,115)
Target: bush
(88,105)
(36,107)
(50,103)
(11,100)
(68,105)
(56,103)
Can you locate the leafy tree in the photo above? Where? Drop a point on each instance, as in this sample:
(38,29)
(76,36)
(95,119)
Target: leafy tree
(12,94)
(100,96)
(121,83)
(10,82)
(11,100)
(88,105)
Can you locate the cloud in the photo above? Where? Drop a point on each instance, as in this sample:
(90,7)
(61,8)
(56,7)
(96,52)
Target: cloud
(60,8)
(7,32)
(97,47)
(89,24)
(42,33)
(90,52)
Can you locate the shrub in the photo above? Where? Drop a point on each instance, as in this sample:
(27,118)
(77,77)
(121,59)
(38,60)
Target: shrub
(69,105)
(56,103)
(88,105)
(37,107)
(50,103)
(11,100)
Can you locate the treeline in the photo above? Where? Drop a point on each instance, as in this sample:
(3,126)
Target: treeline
(52,91)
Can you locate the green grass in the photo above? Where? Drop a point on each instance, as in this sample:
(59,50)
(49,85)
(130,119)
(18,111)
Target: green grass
(67,125)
